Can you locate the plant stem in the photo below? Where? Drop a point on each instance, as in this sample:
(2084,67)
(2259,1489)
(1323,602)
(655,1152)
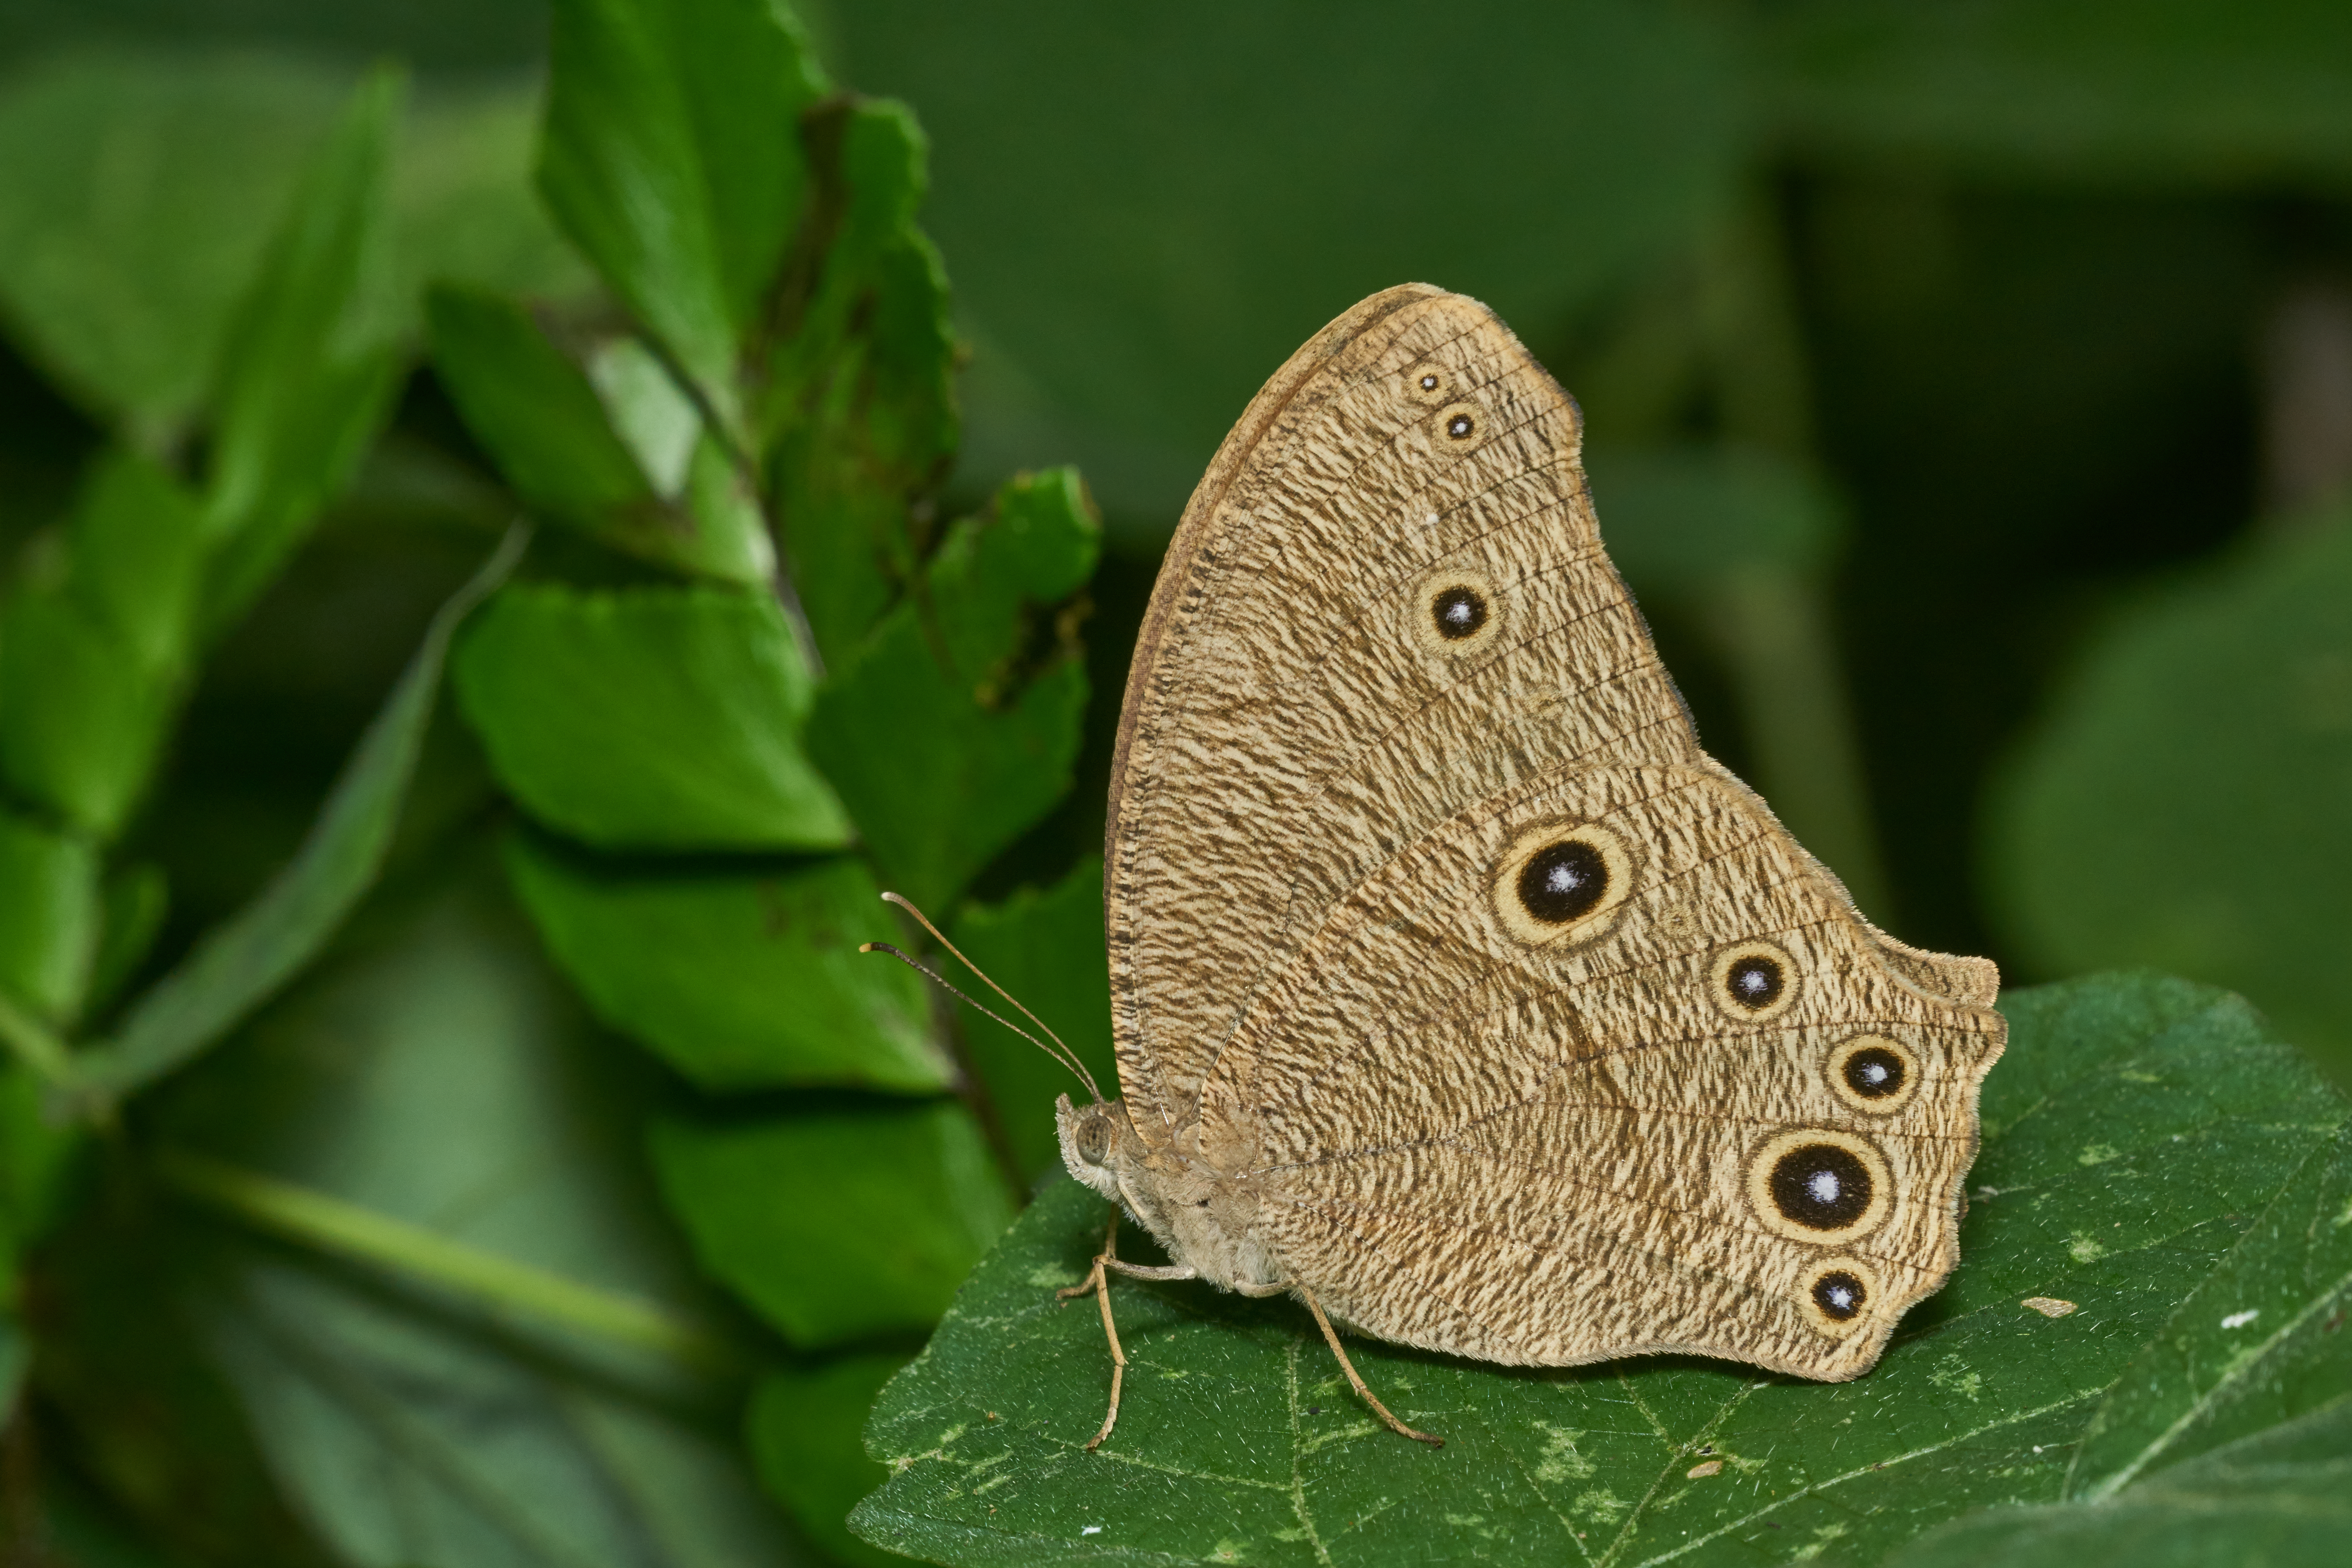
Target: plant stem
(349,1230)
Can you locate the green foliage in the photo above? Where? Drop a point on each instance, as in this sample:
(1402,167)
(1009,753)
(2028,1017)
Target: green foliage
(910,1200)
(2218,716)
(690,700)
(803,1429)
(689,965)
(2150,1154)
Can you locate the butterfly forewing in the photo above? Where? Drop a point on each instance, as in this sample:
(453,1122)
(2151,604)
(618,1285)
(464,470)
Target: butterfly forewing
(1543,1042)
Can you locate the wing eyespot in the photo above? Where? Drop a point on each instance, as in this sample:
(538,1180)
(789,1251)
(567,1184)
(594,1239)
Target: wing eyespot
(1820,1186)
(1430,384)
(1754,982)
(1873,1074)
(1838,1295)
(1454,613)
(1456,430)
(1562,883)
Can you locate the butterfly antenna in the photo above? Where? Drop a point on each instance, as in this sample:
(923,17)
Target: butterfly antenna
(1059,1050)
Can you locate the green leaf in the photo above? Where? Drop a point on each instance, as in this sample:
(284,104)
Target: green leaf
(741,978)
(36,1157)
(542,416)
(1044,947)
(860,402)
(241,964)
(48,918)
(2142,1138)
(2278,1498)
(80,722)
(672,157)
(407,1422)
(803,1429)
(2217,715)
(955,726)
(842,1226)
(2170,90)
(135,560)
(311,360)
(689,701)
(463,193)
(133,903)
(136,196)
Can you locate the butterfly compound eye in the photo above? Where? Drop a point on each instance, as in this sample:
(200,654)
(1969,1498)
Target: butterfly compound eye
(1816,1184)
(1093,1140)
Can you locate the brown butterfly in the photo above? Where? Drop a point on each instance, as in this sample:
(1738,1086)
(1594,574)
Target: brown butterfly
(1458,992)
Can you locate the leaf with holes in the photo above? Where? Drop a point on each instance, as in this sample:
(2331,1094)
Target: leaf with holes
(2150,1150)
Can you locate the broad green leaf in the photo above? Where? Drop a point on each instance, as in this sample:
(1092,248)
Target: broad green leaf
(1147,209)
(1044,947)
(2281,1499)
(49,917)
(956,726)
(739,979)
(2219,715)
(574,459)
(672,156)
(241,964)
(405,1422)
(36,1157)
(2137,1138)
(860,401)
(310,360)
(136,195)
(653,718)
(462,189)
(2170,90)
(803,1429)
(838,1224)
(534,410)
(132,905)
(80,722)
(134,549)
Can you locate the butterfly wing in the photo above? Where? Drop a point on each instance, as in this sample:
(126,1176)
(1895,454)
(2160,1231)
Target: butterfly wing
(1387,635)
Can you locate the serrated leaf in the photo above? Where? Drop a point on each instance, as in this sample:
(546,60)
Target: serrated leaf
(2219,714)
(245,961)
(939,735)
(859,408)
(842,1226)
(672,157)
(691,700)
(803,1426)
(49,917)
(310,360)
(1046,947)
(2134,1133)
(745,977)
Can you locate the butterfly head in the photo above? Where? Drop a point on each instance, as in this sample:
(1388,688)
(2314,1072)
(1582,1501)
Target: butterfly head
(1096,1141)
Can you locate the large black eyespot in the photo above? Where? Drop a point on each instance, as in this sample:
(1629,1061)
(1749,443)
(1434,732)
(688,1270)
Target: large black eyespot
(1459,611)
(1841,1295)
(1819,1186)
(1093,1140)
(1874,1072)
(1562,882)
(1755,981)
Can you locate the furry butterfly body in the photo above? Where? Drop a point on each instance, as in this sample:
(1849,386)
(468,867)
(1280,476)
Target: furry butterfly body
(1456,988)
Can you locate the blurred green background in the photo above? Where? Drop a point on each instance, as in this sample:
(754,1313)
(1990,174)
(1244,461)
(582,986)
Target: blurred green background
(1969,392)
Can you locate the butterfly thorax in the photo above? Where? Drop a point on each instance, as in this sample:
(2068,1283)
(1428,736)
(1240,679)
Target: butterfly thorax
(1202,1208)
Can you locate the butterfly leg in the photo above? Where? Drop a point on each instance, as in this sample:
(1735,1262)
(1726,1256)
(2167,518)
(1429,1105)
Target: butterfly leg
(1332,1338)
(1099,1283)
